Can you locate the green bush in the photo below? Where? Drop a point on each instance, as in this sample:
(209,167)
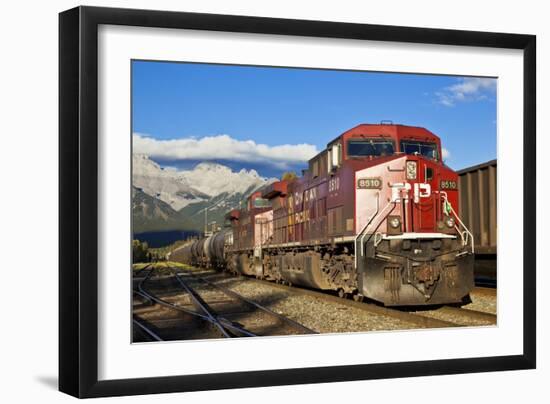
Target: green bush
(140,252)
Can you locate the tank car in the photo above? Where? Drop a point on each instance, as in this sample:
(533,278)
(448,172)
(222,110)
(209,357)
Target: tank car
(374,215)
(215,249)
(181,254)
(206,252)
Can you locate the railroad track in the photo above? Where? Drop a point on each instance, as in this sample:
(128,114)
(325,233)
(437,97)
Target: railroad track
(144,330)
(412,318)
(260,314)
(163,318)
(227,314)
(485,291)
(207,310)
(440,317)
(460,316)
(469,313)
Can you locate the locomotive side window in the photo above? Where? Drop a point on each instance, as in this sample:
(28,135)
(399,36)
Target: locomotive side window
(322,165)
(262,203)
(370,147)
(421,148)
(336,153)
(315,169)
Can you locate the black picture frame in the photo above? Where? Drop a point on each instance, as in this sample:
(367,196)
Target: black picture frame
(78,196)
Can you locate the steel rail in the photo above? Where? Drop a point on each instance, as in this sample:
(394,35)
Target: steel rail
(137,292)
(139,271)
(162,302)
(415,318)
(474,314)
(208,312)
(238,296)
(167,304)
(486,291)
(421,321)
(146,330)
(222,327)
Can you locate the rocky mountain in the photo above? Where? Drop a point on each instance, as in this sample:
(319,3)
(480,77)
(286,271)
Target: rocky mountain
(215,179)
(163,184)
(168,199)
(152,214)
(214,209)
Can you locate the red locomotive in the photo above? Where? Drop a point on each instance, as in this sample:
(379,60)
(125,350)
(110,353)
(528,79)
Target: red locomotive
(374,215)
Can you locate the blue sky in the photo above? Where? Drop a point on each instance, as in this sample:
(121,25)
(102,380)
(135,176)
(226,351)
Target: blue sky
(272,119)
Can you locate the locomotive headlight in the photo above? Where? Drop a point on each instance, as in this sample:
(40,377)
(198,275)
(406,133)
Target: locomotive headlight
(395,222)
(450,222)
(411,170)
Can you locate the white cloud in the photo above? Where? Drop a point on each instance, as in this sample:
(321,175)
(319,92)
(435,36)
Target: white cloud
(467,89)
(223,147)
(446,154)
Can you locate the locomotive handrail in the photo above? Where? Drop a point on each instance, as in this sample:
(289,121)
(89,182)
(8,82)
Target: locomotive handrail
(366,225)
(362,233)
(466,230)
(365,233)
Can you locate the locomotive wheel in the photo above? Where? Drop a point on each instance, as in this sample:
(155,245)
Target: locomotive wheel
(358,298)
(342,294)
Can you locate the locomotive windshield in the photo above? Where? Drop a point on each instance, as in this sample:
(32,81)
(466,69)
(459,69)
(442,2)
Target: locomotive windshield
(370,147)
(420,148)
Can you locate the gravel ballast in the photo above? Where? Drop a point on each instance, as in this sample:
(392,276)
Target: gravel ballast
(317,313)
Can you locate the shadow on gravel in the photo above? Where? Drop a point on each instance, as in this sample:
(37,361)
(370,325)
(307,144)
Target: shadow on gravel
(173,325)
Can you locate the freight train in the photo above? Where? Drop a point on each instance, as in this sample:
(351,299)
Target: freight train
(477,187)
(373,216)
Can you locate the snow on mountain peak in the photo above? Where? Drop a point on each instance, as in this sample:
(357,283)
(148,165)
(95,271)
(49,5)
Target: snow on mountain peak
(180,188)
(162,184)
(214,179)
(207,166)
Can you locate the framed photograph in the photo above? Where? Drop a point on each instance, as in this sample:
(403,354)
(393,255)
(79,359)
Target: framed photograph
(250,201)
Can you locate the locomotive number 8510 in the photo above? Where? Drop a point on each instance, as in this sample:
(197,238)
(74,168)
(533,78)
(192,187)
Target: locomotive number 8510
(374,215)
